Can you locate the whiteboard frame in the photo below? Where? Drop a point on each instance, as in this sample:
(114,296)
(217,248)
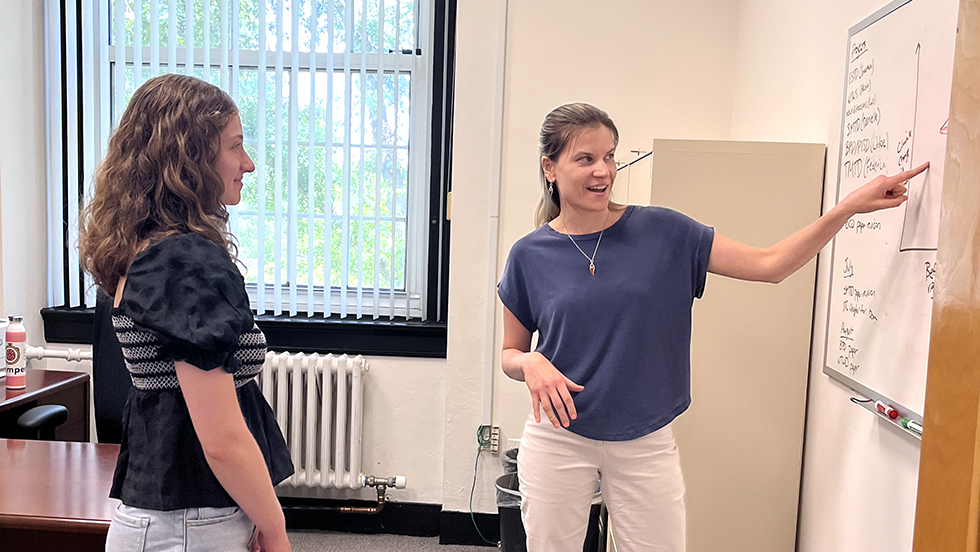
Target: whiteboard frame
(904,411)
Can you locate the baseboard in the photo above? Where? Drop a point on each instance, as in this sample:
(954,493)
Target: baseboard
(397,518)
(457,528)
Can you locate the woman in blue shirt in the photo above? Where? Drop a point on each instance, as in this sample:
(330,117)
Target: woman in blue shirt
(610,288)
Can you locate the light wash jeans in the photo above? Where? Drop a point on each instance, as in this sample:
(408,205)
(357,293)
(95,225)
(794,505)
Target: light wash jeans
(187,530)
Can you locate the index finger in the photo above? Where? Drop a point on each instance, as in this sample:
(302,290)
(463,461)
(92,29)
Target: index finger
(907,175)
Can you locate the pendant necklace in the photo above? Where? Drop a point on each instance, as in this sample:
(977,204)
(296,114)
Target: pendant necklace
(592,258)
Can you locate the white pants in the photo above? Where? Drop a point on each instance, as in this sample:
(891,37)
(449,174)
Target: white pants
(642,487)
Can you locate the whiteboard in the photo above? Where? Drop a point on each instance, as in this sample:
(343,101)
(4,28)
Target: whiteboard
(893,117)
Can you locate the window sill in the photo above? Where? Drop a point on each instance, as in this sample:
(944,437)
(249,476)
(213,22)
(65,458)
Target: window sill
(293,334)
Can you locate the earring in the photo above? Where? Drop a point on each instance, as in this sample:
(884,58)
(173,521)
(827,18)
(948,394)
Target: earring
(551,188)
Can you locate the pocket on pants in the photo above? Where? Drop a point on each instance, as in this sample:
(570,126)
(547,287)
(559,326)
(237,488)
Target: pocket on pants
(218,529)
(127,531)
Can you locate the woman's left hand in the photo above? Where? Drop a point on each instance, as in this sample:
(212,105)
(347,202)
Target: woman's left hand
(263,543)
(884,192)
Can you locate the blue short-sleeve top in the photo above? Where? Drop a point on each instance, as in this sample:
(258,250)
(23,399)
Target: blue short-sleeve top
(625,332)
(185,300)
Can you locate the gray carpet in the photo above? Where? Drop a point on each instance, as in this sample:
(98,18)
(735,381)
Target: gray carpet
(323,541)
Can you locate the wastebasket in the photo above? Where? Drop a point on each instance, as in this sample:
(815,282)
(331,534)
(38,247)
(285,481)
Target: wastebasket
(510,461)
(512,535)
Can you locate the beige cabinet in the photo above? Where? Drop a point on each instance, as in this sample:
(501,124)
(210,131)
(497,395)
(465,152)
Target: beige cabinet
(741,442)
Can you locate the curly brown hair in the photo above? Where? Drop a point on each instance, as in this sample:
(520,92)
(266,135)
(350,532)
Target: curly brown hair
(158,177)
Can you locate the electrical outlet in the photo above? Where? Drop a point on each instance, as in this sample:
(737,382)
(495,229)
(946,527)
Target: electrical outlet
(489,438)
(494,439)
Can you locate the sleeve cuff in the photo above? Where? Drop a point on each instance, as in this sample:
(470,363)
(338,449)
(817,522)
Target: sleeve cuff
(705,240)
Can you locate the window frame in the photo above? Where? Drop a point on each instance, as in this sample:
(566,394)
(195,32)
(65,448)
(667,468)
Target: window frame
(382,336)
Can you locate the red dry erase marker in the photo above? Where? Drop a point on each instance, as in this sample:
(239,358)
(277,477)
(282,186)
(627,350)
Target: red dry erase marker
(886,410)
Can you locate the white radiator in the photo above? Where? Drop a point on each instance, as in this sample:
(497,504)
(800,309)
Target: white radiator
(319,402)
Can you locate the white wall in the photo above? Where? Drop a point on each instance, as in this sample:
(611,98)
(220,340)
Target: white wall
(745,69)
(859,478)
(422,414)
(22,171)
(676,83)
(660,69)
(406,421)
(469,258)
(23,286)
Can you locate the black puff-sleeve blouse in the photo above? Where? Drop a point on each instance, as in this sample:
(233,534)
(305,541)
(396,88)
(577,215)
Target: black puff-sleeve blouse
(185,300)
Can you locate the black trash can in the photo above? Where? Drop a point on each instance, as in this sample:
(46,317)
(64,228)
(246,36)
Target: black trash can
(509,460)
(512,535)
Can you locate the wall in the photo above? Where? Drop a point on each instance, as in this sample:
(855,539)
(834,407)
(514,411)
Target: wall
(859,478)
(469,280)
(687,80)
(423,414)
(406,423)
(22,165)
(660,69)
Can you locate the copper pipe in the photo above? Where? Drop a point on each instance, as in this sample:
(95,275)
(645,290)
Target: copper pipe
(381,484)
(376,509)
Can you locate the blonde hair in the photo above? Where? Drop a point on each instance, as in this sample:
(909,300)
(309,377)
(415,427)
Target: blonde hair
(559,127)
(158,177)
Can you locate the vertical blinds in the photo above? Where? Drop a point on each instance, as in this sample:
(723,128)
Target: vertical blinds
(333,97)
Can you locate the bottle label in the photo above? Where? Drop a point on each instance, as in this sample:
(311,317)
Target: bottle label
(16,365)
(15,356)
(3,345)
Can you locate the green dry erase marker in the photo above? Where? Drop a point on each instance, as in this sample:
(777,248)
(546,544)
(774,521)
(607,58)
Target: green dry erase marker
(912,425)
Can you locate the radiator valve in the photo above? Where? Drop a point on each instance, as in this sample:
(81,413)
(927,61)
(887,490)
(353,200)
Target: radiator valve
(396,482)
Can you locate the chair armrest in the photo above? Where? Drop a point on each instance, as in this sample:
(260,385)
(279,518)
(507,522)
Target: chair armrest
(44,416)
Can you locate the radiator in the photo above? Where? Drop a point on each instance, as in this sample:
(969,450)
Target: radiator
(318,401)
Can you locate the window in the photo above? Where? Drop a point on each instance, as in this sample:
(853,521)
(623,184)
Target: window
(344,108)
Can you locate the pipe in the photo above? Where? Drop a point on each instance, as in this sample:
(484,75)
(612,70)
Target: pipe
(370,510)
(397,482)
(493,223)
(71,354)
(381,484)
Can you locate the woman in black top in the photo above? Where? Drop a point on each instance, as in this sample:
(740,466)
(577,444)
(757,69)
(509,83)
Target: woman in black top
(201,450)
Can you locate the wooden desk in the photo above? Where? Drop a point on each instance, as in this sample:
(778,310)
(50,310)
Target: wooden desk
(55,495)
(70,389)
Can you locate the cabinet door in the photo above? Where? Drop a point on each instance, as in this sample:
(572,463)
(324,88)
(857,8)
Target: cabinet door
(741,442)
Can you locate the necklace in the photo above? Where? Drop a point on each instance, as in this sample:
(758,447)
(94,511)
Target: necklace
(592,258)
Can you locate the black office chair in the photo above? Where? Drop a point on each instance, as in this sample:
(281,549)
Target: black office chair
(110,378)
(41,421)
